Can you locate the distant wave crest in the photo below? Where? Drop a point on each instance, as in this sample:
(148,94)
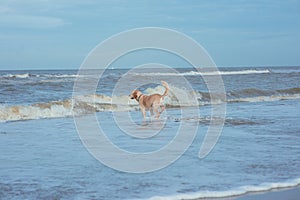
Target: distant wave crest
(209,73)
(25,75)
(229,71)
(28,75)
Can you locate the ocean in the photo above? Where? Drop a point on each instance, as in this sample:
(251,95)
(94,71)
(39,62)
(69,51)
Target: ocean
(43,156)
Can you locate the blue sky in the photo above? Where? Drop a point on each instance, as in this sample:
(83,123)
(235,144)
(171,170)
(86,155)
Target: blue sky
(58,34)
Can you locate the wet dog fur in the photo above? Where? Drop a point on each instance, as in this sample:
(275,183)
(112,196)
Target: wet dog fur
(150,102)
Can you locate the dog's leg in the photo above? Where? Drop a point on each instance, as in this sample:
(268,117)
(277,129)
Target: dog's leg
(144,112)
(162,108)
(155,108)
(151,111)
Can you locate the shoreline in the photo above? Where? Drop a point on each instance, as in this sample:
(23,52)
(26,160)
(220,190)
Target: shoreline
(291,193)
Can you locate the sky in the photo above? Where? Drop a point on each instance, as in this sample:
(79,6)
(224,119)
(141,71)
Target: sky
(59,34)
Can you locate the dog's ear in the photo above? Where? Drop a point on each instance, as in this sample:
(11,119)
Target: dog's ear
(134,94)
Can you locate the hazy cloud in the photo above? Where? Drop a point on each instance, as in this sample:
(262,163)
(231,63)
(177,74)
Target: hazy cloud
(30,21)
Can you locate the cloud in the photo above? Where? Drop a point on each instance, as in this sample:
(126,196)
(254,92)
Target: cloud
(30,21)
(33,14)
(268,36)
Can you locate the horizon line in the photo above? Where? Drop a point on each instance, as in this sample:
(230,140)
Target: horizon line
(177,67)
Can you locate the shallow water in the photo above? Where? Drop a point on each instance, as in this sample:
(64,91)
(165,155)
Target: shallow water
(257,150)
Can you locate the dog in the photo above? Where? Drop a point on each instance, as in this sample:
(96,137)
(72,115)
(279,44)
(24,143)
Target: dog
(152,102)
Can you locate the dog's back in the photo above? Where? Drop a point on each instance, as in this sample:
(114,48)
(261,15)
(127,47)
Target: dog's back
(152,102)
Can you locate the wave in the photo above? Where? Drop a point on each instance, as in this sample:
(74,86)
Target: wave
(21,76)
(256,95)
(264,187)
(212,73)
(286,70)
(177,98)
(66,108)
(54,109)
(265,98)
(28,75)
(229,71)
(62,75)
(87,104)
(253,95)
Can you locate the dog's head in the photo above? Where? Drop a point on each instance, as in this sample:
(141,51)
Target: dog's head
(135,94)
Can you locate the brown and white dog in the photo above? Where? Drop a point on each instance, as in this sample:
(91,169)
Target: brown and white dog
(152,102)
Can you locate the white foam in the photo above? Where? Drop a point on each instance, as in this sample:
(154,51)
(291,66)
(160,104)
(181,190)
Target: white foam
(265,98)
(26,75)
(90,103)
(230,193)
(177,97)
(197,73)
(35,111)
(62,75)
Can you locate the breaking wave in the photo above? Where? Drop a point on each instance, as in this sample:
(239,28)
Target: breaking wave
(36,111)
(86,104)
(256,95)
(264,187)
(28,75)
(101,103)
(210,73)
(232,71)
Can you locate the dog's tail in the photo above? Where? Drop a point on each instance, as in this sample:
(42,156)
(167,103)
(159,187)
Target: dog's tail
(165,84)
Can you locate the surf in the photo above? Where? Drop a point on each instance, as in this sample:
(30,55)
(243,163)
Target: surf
(203,73)
(85,104)
(263,187)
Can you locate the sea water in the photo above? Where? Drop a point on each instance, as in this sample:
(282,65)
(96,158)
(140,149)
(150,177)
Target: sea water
(42,156)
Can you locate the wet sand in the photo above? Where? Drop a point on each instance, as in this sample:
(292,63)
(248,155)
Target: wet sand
(286,194)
